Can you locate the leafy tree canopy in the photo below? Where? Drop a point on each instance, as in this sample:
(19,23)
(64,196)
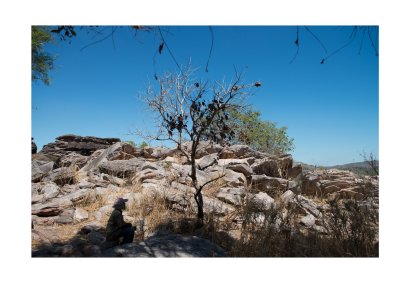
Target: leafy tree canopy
(42,62)
(260,135)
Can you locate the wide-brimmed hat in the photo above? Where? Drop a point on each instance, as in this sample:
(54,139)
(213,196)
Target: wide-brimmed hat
(120,202)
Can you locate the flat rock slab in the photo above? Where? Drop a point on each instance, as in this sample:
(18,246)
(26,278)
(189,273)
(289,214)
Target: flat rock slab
(170,245)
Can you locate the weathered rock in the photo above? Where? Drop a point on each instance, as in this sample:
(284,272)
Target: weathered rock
(182,187)
(325,182)
(309,205)
(234,179)
(50,190)
(61,176)
(207,161)
(308,220)
(35,188)
(268,184)
(288,197)
(285,163)
(117,151)
(216,207)
(81,196)
(73,159)
(203,149)
(156,152)
(295,171)
(63,219)
(229,162)
(68,189)
(96,238)
(123,151)
(47,211)
(106,210)
(241,168)
(121,168)
(177,199)
(167,245)
(91,251)
(350,194)
(231,195)
(36,198)
(80,214)
(66,250)
(262,200)
(266,166)
(154,188)
(240,151)
(90,227)
(56,205)
(43,221)
(40,169)
(85,185)
(112,180)
(294,186)
(82,145)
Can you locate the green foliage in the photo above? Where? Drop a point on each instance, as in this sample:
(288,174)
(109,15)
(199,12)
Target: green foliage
(260,135)
(131,143)
(143,144)
(42,62)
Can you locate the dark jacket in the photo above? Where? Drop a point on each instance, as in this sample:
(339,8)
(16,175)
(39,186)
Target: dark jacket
(115,224)
(34,148)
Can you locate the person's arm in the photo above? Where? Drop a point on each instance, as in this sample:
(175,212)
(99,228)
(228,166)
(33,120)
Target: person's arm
(120,221)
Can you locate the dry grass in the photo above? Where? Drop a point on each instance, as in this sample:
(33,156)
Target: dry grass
(251,231)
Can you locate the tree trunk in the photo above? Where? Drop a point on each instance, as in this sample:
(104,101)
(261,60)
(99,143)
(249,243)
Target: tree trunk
(179,140)
(198,197)
(199,201)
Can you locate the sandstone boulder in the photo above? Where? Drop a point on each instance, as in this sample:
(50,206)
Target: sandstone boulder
(231,195)
(82,145)
(80,214)
(121,168)
(207,161)
(240,152)
(333,181)
(263,200)
(73,159)
(295,171)
(267,166)
(167,245)
(40,169)
(117,151)
(50,190)
(216,207)
(308,220)
(203,149)
(61,176)
(268,184)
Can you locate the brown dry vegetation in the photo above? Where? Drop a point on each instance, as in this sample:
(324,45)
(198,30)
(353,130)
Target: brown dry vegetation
(349,227)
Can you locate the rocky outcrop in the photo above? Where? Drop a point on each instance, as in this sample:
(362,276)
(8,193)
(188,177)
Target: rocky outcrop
(121,168)
(83,145)
(167,245)
(40,169)
(338,183)
(76,180)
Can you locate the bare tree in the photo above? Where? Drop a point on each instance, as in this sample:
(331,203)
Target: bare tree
(170,101)
(372,163)
(194,111)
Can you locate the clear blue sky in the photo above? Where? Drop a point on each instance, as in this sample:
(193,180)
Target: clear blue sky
(331,109)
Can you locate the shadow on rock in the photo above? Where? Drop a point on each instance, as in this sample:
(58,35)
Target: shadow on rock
(90,242)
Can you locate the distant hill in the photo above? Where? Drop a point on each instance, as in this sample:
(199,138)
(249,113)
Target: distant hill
(362,168)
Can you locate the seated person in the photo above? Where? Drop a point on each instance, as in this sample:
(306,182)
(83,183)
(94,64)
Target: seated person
(117,227)
(34,147)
